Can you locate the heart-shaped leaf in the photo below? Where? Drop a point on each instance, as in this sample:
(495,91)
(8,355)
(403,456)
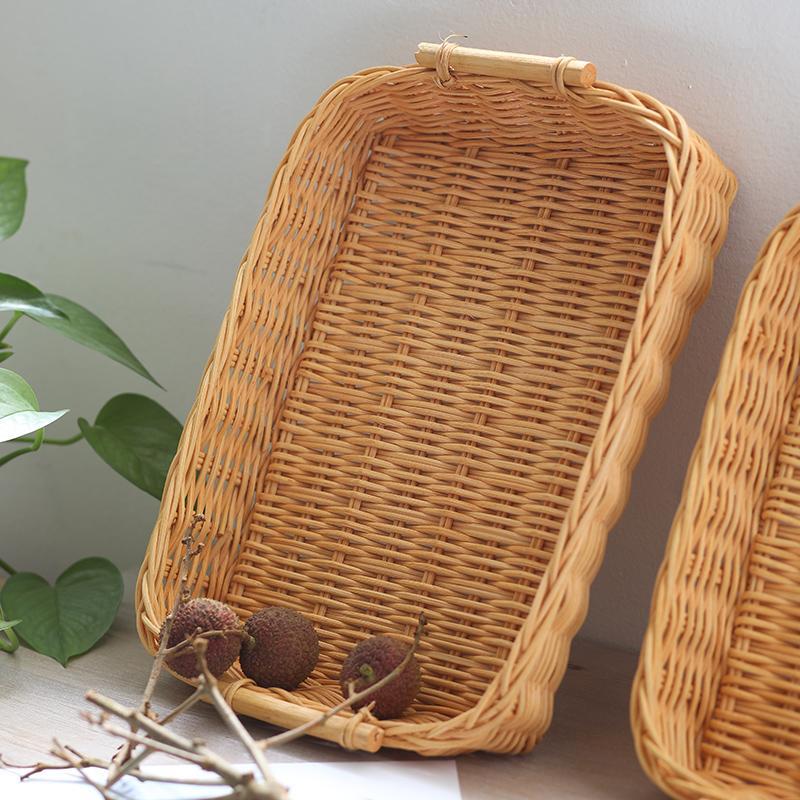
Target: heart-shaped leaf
(137,437)
(19,295)
(66,619)
(13,193)
(84,327)
(19,408)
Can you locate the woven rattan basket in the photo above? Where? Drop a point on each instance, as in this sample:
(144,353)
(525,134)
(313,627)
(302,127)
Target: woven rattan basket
(454,320)
(716,702)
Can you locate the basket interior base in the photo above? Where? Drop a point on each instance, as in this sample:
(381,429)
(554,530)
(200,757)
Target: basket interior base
(450,385)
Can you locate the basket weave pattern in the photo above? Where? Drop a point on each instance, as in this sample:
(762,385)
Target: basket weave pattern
(717,700)
(448,334)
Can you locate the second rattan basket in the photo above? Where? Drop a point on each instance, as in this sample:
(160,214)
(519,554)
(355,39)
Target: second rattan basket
(716,702)
(447,336)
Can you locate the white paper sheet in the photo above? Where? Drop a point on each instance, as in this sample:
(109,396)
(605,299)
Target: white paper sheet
(360,780)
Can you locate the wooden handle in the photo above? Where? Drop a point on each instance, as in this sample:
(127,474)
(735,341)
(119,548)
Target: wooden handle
(537,69)
(367,737)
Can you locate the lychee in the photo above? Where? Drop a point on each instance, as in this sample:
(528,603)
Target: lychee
(283,650)
(204,614)
(373,659)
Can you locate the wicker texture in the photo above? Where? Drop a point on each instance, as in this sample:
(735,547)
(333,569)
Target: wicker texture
(716,702)
(448,334)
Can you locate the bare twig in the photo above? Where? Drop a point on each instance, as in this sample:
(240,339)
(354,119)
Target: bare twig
(352,699)
(34,769)
(183,593)
(144,734)
(162,739)
(130,766)
(126,753)
(75,760)
(199,635)
(195,697)
(69,755)
(235,725)
(99,763)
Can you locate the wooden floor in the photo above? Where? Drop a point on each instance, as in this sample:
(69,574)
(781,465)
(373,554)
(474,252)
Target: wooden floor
(587,755)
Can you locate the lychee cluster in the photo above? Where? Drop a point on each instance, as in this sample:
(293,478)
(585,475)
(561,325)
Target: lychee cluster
(279,648)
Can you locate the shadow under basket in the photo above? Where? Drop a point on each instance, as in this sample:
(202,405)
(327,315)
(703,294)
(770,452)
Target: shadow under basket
(716,702)
(452,325)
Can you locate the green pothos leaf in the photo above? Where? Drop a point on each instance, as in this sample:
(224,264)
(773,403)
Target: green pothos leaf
(69,617)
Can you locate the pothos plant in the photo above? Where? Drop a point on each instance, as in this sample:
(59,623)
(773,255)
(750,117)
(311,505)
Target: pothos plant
(132,433)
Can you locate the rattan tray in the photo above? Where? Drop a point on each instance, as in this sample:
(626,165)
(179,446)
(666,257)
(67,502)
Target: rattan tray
(452,325)
(716,703)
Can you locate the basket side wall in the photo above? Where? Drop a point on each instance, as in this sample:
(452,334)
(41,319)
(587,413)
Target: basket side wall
(229,429)
(684,651)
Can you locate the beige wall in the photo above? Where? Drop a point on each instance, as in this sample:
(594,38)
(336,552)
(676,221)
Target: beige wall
(153,127)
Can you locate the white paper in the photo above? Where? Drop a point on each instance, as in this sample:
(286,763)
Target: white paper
(347,780)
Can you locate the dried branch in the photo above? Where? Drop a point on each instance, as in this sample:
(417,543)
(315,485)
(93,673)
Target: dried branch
(199,635)
(144,733)
(195,697)
(351,700)
(181,596)
(34,769)
(129,767)
(161,738)
(235,725)
(99,763)
(125,754)
(68,755)
(75,760)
